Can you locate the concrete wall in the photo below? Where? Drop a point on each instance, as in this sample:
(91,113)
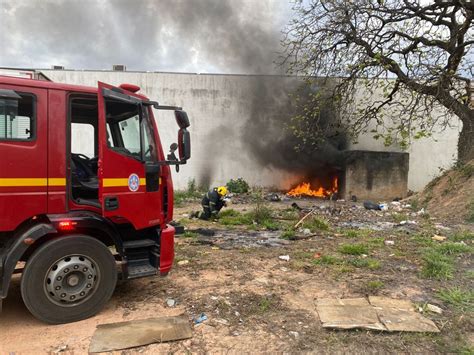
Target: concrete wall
(222,108)
(375,175)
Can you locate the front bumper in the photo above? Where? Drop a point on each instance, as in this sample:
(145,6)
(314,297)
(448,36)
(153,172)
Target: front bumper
(166,249)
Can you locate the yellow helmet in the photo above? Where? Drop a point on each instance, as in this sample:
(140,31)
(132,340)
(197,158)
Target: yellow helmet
(222,190)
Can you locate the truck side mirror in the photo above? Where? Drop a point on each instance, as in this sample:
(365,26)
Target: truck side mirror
(184,144)
(182,119)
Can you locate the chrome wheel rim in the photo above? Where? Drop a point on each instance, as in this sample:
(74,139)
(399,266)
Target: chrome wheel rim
(71,280)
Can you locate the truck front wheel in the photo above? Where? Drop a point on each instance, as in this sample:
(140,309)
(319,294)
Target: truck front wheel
(68,279)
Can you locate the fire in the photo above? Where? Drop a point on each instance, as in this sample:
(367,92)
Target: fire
(304,189)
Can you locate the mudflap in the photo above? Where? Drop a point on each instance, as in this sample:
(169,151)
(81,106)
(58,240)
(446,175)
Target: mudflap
(166,249)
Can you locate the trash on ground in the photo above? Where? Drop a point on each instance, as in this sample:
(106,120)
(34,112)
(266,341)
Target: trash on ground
(202,318)
(183,262)
(131,334)
(284,257)
(273,197)
(170,302)
(389,242)
(434,309)
(304,217)
(438,238)
(376,313)
(296,206)
(369,205)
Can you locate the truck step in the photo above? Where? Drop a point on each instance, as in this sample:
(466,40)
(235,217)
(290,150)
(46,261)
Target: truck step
(140,270)
(139,243)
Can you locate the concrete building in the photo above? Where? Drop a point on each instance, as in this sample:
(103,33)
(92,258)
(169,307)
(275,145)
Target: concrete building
(236,131)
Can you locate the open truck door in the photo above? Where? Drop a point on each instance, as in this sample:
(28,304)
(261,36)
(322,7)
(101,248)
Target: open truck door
(128,168)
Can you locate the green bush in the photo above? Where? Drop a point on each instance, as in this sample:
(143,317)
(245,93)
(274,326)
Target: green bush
(238,186)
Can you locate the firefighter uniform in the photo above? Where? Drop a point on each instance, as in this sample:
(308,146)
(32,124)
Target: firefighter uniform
(212,203)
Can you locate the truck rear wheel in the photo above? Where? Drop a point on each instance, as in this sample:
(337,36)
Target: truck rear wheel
(68,279)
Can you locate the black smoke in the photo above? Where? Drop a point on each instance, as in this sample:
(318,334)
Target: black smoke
(311,148)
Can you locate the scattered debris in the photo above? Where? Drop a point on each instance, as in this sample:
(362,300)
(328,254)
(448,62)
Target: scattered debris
(438,238)
(376,313)
(60,349)
(306,231)
(369,205)
(435,309)
(183,262)
(234,239)
(221,321)
(389,242)
(170,302)
(304,217)
(296,206)
(284,257)
(441,227)
(294,334)
(131,334)
(202,318)
(273,197)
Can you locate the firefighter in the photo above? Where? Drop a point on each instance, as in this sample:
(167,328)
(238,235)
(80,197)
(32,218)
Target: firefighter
(212,203)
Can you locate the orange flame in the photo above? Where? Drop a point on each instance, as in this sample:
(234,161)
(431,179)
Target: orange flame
(304,189)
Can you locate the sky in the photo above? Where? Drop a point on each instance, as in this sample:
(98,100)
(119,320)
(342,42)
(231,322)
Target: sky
(203,36)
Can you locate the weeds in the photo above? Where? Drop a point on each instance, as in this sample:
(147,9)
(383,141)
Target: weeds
(462,300)
(316,223)
(191,193)
(238,186)
(399,217)
(374,285)
(288,234)
(462,236)
(327,260)
(235,218)
(369,263)
(452,248)
(188,234)
(265,304)
(437,266)
(354,249)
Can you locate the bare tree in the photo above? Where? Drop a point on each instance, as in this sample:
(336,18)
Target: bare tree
(413,59)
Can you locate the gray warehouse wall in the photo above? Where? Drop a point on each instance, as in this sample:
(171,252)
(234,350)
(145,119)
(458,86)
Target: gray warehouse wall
(234,121)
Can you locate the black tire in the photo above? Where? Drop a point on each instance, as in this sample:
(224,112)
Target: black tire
(35,279)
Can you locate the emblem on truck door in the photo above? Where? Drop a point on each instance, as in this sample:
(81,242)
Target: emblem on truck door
(133,182)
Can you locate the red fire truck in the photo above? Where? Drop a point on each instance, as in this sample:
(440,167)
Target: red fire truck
(86,195)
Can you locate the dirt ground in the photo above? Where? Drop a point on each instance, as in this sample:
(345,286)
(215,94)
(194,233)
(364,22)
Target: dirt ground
(256,302)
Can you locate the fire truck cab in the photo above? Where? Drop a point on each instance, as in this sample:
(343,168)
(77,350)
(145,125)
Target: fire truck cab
(86,195)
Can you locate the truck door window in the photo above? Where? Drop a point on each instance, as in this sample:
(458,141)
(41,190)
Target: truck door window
(83,139)
(17,118)
(123,128)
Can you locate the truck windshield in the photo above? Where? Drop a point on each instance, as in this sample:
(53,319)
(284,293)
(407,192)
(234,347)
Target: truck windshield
(123,128)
